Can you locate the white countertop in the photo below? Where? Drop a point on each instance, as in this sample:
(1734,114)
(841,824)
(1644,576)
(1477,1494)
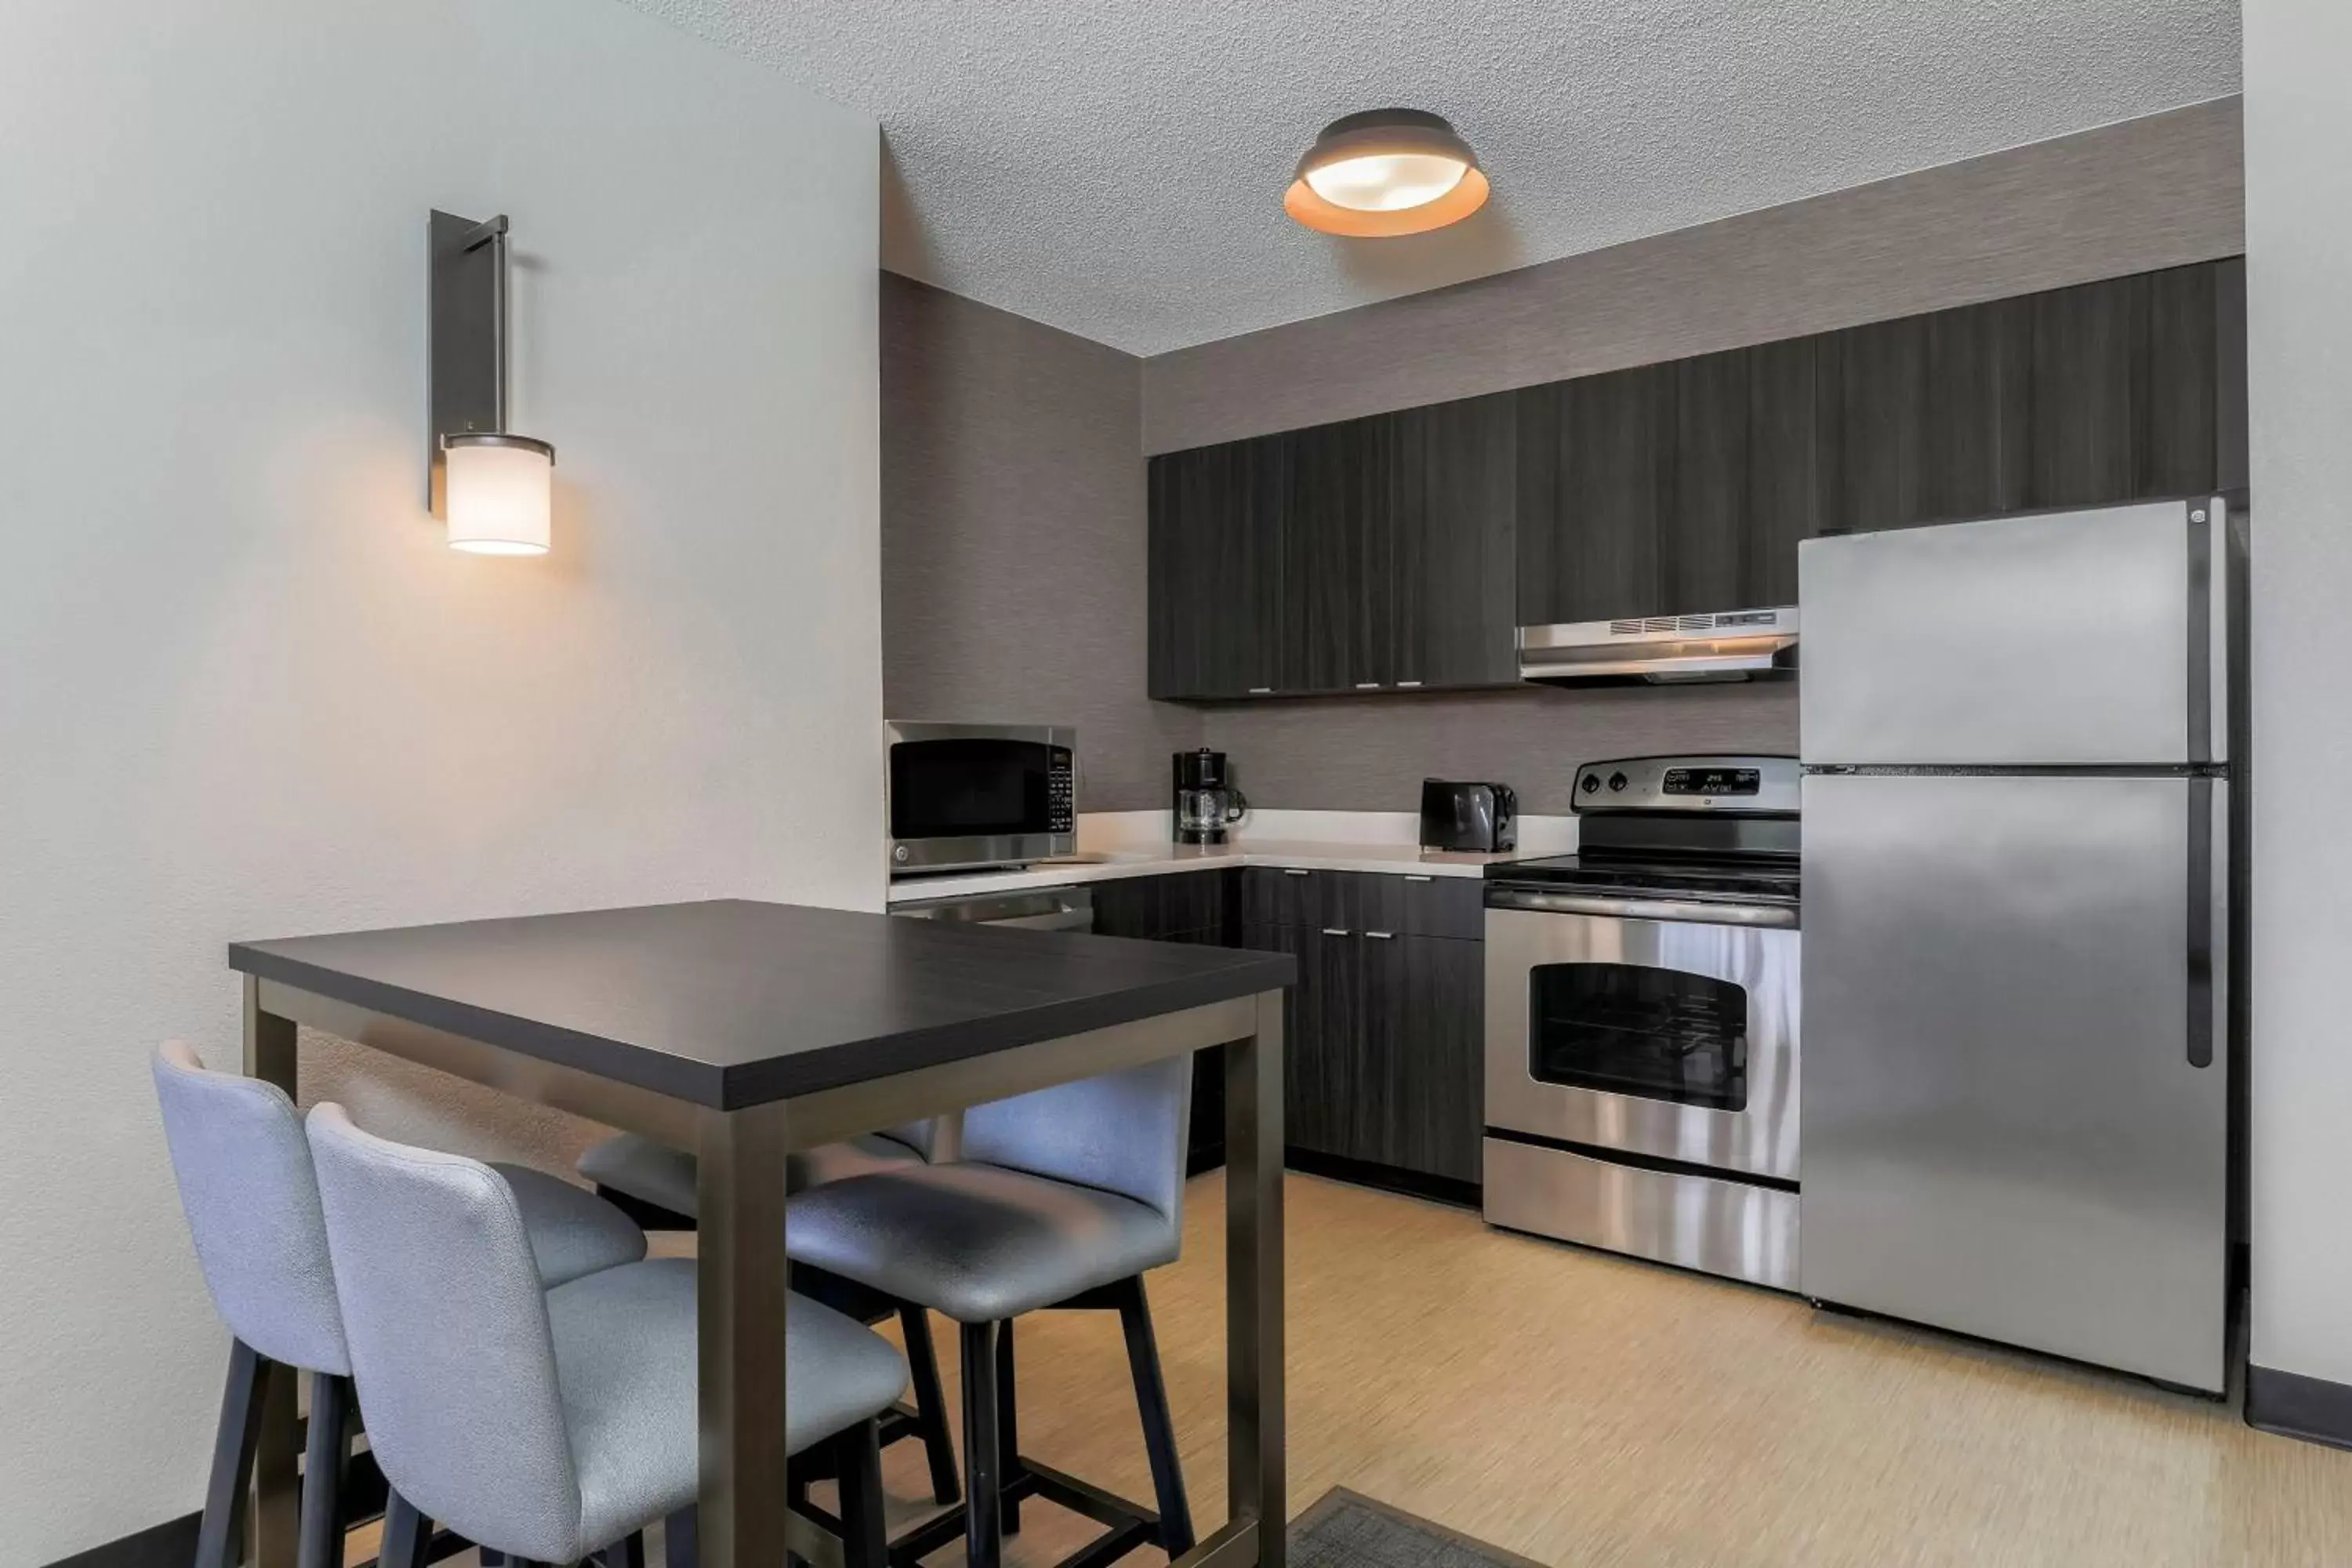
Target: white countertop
(1124,854)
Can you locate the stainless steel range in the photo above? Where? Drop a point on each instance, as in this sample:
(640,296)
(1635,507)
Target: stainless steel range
(1642,1010)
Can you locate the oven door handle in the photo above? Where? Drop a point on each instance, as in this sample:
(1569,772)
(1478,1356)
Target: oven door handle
(1692,910)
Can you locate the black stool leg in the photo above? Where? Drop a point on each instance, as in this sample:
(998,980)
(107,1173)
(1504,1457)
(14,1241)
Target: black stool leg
(629,1551)
(320,1542)
(930,1403)
(865,1542)
(680,1545)
(1008,1425)
(983,1541)
(220,1539)
(1158,1425)
(405,1532)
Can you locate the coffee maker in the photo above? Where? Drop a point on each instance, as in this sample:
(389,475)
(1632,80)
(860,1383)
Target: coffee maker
(1206,801)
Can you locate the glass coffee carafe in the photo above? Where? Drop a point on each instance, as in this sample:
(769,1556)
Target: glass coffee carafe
(1206,802)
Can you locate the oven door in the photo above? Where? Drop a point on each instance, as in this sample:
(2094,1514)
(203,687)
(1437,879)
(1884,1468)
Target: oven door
(1662,1029)
(973,796)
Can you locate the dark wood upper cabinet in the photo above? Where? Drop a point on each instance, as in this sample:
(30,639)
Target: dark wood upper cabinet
(1595,477)
(1336,550)
(1404,549)
(1216,594)
(1923,419)
(1454,484)
(1743,490)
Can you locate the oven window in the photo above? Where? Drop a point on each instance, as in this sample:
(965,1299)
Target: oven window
(1658,1034)
(970,788)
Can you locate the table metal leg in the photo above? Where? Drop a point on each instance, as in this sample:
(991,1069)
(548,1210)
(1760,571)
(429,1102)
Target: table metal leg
(1255,1485)
(740,1276)
(273,1513)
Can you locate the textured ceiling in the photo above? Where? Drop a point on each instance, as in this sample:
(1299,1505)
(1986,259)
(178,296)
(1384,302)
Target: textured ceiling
(1114,167)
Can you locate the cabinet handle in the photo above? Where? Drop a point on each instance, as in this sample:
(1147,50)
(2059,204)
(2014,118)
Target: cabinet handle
(1261,691)
(1295,871)
(1382,935)
(1368,685)
(1408,686)
(1418,877)
(1334,931)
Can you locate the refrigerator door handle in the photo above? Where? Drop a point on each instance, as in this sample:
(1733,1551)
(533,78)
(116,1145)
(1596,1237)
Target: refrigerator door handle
(2208,913)
(2208,631)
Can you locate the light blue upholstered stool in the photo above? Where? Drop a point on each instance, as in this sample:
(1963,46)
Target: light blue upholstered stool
(655,1184)
(252,1201)
(1064,1197)
(550,1427)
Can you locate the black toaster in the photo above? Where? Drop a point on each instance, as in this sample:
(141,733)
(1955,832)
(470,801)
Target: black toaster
(1484,817)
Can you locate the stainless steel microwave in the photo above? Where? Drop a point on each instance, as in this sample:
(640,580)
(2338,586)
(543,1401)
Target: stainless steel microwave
(969,796)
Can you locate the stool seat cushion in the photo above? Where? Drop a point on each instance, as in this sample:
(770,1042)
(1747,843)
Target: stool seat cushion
(978,1242)
(624,1359)
(657,1174)
(572,1231)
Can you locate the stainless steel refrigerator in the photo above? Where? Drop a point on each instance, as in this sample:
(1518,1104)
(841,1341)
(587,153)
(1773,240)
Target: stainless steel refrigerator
(2018,837)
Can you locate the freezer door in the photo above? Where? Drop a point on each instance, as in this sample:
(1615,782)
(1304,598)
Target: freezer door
(2057,639)
(2005,1131)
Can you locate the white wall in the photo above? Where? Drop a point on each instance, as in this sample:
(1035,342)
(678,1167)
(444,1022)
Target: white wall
(244,689)
(2299,309)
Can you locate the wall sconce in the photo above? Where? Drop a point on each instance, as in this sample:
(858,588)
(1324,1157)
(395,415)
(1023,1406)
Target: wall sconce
(495,488)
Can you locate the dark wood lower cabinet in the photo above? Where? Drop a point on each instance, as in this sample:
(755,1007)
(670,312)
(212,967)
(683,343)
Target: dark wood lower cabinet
(1382,1049)
(1421,1097)
(1185,906)
(1382,1036)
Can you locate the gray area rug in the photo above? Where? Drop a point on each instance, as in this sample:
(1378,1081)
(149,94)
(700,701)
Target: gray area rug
(1346,1530)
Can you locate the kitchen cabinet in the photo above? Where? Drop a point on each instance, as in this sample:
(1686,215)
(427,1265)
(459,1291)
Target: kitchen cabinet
(1403,550)
(1337,533)
(2125,389)
(1411,904)
(1216,588)
(1453,521)
(1594,479)
(1188,906)
(1924,419)
(1413,1071)
(1374,554)
(1162,908)
(1385,1031)
(1742,489)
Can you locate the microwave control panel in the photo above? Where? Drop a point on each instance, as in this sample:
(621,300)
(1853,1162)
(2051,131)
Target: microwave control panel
(1061,791)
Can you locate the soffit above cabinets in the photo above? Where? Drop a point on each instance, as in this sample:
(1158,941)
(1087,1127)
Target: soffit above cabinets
(1116,167)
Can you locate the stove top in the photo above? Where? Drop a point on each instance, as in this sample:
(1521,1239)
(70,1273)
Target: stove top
(1743,878)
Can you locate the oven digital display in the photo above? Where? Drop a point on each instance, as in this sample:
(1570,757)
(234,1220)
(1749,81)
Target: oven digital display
(1711,780)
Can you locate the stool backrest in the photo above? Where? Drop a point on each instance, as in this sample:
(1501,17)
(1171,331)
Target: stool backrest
(252,1202)
(1123,1132)
(450,1345)
(919,1136)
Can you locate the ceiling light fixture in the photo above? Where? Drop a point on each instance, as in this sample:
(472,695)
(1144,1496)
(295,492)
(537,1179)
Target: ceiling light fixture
(1386,171)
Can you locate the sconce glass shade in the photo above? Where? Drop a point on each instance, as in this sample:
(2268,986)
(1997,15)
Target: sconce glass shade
(501,493)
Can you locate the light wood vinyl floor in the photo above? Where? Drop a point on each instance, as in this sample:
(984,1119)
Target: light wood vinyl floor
(1584,1409)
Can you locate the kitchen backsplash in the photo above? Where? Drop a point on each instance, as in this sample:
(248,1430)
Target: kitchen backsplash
(1371,753)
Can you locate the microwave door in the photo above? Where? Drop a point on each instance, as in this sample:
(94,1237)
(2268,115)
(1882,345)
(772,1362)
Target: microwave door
(964,796)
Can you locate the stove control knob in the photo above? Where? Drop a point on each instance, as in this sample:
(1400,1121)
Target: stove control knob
(1616,780)
(1591,783)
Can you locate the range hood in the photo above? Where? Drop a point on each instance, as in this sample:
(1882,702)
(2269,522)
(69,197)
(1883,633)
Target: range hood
(1737,646)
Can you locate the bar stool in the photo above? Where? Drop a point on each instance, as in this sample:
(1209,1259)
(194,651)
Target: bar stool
(655,1184)
(550,1426)
(1063,1198)
(252,1204)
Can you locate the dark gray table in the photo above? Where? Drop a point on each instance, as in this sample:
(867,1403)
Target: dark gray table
(746,1031)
